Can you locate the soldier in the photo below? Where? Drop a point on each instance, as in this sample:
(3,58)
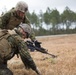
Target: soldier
(15,16)
(11,43)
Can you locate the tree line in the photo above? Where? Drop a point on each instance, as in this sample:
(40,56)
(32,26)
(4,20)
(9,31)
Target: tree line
(51,22)
(55,23)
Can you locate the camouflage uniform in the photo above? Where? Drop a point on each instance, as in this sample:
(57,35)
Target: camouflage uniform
(11,20)
(14,44)
(11,45)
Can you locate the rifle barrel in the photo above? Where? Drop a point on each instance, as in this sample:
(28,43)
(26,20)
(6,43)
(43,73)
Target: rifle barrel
(54,56)
(42,50)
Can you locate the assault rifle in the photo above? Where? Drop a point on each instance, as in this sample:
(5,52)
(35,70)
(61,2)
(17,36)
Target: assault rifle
(38,47)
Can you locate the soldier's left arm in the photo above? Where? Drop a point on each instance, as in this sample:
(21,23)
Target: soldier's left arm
(26,57)
(4,20)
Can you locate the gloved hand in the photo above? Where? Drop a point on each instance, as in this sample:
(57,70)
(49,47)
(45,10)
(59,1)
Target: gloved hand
(37,44)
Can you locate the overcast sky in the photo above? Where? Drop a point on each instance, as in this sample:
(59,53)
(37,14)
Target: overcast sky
(38,5)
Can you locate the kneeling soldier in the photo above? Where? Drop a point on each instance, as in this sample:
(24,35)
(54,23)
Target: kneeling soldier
(13,43)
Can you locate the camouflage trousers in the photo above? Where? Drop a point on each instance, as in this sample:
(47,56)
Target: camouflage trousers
(4,70)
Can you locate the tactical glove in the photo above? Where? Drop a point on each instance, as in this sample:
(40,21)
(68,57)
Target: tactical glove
(37,44)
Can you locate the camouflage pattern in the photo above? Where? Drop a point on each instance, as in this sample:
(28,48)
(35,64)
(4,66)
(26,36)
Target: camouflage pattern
(11,20)
(18,46)
(25,27)
(22,6)
(5,48)
(5,71)
(26,58)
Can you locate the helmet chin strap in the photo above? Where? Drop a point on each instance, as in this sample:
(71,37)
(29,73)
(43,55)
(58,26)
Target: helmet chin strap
(27,35)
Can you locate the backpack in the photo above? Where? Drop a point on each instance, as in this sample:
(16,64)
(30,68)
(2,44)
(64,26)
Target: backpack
(5,47)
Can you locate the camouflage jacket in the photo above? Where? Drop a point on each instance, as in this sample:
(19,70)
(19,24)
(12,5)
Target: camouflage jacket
(10,20)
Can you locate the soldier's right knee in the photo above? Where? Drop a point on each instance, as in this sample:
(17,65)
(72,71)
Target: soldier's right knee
(4,70)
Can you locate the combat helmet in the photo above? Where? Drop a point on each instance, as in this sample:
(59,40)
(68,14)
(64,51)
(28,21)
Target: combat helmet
(25,27)
(21,6)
